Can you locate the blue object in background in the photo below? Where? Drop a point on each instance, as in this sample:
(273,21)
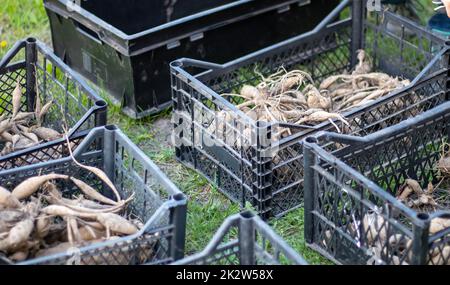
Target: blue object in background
(440,23)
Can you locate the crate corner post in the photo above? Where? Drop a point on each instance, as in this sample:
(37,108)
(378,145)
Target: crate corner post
(262,169)
(178,216)
(31,58)
(246,239)
(420,244)
(358,12)
(309,191)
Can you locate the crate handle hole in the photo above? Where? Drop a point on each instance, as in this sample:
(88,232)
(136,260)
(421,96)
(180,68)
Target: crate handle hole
(262,124)
(423,216)
(247,215)
(111,127)
(311,140)
(100,103)
(176,63)
(179,197)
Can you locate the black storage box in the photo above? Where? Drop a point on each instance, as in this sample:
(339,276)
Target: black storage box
(125,46)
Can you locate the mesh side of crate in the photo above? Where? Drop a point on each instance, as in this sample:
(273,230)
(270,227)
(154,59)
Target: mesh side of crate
(41,74)
(439,249)
(152,248)
(8,81)
(351,223)
(70,100)
(40,154)
(356,217)
(397,47)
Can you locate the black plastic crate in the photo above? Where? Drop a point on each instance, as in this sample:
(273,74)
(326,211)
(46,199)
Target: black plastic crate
(252,166)
(126,46)
(244,239)
(158,202)
(350,203)
(35,66)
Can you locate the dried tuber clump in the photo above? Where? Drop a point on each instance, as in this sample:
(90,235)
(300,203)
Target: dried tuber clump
(38,219)
(293,97)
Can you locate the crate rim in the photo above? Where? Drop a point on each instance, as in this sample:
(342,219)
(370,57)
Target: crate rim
(35,148)
(120,40)
(77,153)
(311,142)
(177,67)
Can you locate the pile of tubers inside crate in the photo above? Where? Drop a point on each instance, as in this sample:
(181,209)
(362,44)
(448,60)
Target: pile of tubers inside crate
(429,200)
(37,220)
(20,130)
(292,97)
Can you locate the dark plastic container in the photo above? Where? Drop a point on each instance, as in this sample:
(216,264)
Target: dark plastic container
(158,203)
(352,215)
(36,66)
(244,239)
(126,46)
(268,173)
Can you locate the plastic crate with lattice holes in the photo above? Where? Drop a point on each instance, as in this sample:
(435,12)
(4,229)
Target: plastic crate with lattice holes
(247,159)
(245,239)
(382,198)
(157,203)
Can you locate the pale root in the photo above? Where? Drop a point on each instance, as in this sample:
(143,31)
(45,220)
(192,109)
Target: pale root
(20,233)
(46,134)
(16,99)
(31,185)
(117,224)
(7,199)
(91,192)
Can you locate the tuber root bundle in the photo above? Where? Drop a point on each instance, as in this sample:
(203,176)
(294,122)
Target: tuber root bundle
(20,130)
(292,97)
(37,220)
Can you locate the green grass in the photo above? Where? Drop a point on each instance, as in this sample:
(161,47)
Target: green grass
(290,227)
(22,19)
(207,207)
